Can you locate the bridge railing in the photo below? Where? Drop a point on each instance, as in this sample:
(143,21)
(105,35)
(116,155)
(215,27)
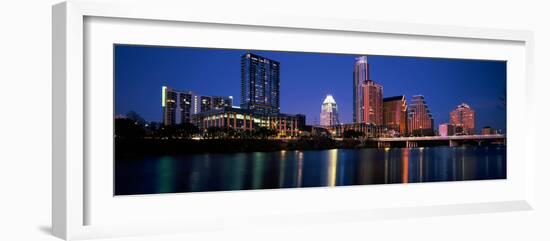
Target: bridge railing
(440,138)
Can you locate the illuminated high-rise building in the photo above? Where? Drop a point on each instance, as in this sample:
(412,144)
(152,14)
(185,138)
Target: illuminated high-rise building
(186,106)
(464,116)
(420,121)
(395,114)
(367,95)
(260,84)
(360,75)
(169,105)
(178,106)
(371,103)
(329,112)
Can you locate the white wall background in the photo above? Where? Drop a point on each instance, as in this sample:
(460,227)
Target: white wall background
(25,118)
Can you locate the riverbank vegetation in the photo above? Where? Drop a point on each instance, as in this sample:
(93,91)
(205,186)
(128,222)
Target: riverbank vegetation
(127,147)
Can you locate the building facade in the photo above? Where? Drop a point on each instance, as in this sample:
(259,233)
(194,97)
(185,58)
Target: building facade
(260,81)
(301,118)
(367,95)
(360,75)
(487,130)
(464,116)
(395,115)
(446,129)
(247,120)
(371,103)
(179,106)
(368,130)
(329,112)
(420,121)
(169,105)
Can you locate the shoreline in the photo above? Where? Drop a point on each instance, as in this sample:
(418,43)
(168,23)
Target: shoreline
(139,147)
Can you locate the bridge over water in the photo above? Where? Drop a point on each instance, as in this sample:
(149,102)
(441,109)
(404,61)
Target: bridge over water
(415,141)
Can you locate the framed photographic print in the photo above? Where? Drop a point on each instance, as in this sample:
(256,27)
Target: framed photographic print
(191,122)
(286,119)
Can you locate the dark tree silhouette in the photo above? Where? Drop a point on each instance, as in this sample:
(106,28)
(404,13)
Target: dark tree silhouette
(128,129)
(352,134)
(179,131)
(132,115)
(264,133)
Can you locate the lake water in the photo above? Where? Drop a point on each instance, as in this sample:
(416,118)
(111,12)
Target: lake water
(316,168)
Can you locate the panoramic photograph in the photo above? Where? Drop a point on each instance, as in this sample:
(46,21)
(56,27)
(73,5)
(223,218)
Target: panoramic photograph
(205,119)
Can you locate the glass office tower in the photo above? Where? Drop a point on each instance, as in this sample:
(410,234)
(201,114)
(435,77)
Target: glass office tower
(260,84)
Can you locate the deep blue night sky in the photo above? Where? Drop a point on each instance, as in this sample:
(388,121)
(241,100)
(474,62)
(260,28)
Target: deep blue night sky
(306,78)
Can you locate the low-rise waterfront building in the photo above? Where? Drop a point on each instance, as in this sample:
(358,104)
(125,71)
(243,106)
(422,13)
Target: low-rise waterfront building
(286,125)
(446,129)
(301,118)
(487,130)
(367,130)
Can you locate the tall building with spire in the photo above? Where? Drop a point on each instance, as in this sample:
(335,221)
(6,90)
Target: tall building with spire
(360,75)
(329,112)
(420,119)
(367,95)
(464,118)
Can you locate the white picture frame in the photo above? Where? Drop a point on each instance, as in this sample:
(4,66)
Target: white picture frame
(73,188)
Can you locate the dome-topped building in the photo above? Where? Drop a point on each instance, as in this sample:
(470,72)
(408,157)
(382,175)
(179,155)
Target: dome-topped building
(329,112)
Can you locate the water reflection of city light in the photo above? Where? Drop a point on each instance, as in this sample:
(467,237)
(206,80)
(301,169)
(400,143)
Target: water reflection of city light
(386,167)
(405,160)
(164,168)
(282,169)
(332,163)
(421,165)
(257,170)
(299,170)
(236,171)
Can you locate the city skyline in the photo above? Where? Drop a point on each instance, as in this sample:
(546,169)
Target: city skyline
(181,68)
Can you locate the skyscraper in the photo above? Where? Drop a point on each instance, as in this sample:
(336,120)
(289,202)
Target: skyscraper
(186,106)
(329,112)
(169,105)
(260,84)
(360,75)
(367,95)
(464,116)
(178,106)
(420,119)
(395,114)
